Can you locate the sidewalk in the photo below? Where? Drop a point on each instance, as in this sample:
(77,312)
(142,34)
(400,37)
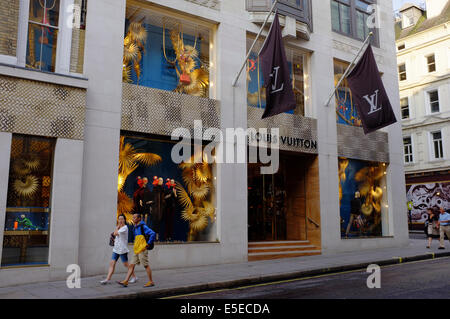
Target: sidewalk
(189,280)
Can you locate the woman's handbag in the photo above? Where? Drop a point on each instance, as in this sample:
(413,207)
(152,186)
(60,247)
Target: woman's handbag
(112,239)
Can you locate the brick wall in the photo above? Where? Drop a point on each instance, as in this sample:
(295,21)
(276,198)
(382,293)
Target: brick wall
(9,17)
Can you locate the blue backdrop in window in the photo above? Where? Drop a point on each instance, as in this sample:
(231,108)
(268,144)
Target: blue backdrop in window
(156,72)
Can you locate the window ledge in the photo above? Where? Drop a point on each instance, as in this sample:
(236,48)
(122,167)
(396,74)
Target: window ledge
(41,76)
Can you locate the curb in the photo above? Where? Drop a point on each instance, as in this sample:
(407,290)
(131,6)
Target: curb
(271,278)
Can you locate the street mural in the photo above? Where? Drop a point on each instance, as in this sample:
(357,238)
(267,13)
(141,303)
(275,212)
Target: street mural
(424,196)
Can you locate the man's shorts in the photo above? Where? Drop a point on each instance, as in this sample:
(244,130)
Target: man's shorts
(141,258)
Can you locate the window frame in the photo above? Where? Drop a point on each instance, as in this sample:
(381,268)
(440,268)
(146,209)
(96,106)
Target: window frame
(428,100)
(407,105)
(432,146)
(428,64)
(353,23)
(410,154)
(403,72)
(63,45)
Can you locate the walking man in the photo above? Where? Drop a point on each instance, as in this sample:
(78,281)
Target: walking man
(444,227)
(143,238)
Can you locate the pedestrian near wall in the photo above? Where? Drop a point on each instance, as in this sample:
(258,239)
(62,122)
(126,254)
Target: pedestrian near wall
(444,227)
(120,249)
(432,227)
(141,244)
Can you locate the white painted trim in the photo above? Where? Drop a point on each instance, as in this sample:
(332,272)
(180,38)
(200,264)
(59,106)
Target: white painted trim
(427,99)
(64,43)
(22,32)
(412,150)
(8,59)
(431,156)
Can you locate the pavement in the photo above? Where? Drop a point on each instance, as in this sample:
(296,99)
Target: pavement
(170,282)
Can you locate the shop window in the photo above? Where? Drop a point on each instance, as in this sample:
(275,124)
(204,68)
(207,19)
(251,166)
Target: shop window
(346,112)
(43,28)
(26,234)
(362,189)
(167,53)
(404,106)
(9,22)
(178,200)
(256,93)
(408,150)
(50,37)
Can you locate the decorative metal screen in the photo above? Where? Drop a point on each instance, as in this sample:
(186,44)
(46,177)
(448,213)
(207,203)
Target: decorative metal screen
(154,111)
(353,143)
(297,133)
(44,109)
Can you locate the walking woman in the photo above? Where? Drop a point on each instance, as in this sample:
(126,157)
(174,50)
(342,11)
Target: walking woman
(120,249)
(432,225)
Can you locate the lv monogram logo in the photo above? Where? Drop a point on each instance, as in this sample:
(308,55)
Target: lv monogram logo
(373,101)
(274,85)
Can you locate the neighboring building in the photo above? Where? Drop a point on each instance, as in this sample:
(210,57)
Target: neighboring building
(82,103)
(423,57)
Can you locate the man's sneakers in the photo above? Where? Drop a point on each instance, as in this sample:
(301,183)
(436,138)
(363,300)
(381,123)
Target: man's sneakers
(441,248)
(123,283)
(104,282)
(149,284)
(133,280)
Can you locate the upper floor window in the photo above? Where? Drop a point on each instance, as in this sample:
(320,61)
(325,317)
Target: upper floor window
(402,72)
(256,93)
(404,105)
(438,151)
(48,35)
(401,47)
(167,53)
(433,97)
(351,17)
(340,16)
(408,150)
(43,21)
(431,63)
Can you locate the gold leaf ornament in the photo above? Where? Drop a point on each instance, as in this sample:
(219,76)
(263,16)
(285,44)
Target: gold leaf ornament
(27,186)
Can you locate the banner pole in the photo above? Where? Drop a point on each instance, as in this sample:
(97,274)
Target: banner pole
(348,68)
(254,42)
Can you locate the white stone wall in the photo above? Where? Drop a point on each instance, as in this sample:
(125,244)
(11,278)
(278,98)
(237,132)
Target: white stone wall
(419,82)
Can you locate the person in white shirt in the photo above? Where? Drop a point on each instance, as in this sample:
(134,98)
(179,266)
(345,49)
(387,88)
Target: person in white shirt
(120,249)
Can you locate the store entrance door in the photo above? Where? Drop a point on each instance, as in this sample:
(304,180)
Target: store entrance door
(276,202)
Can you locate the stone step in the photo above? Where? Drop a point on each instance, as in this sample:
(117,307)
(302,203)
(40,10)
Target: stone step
(284,254)
(280,249)
(280,243)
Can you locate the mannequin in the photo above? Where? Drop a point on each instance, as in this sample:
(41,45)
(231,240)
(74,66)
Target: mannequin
(158,207)
(170,204)
(142,197)
(355,211)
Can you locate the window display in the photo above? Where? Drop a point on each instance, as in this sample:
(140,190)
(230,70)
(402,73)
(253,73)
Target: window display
(27,220)
(362,204)
(346,112)
(43,34)
(256,92)
(166,53)
(177,200)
